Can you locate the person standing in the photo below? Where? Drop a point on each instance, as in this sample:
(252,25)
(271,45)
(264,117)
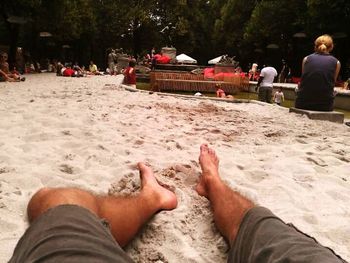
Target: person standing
(278,97)
(112,58)
(283,76)
(130,74)
(320,71)
(265,83)
(253,71)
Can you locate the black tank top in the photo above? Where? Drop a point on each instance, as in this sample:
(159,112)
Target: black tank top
(317,80)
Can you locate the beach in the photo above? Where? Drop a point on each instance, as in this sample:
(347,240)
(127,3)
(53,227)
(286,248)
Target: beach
(90,133)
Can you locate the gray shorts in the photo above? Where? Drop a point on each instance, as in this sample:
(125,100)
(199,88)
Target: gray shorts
(68,233)
(263,237)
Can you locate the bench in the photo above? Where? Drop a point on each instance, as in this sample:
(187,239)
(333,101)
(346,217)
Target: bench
(333,116)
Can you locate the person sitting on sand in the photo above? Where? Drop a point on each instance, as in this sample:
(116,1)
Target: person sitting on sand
(5,77)
(93,68)
(70,224)
(68,71)
(79,72)
(5,74)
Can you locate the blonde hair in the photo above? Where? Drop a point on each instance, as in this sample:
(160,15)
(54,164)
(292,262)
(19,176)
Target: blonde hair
(324,44)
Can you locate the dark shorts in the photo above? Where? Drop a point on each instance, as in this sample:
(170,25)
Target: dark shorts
(263,237)
(265,94)
(68,233)
(312,105)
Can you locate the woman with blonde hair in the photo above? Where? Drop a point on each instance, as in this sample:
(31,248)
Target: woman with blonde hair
(319,73)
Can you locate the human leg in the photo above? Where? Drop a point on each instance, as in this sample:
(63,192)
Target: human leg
(261,94)
(264,238)
(255,233)
(268,94)
(125,215)
(68,232)
(229,207)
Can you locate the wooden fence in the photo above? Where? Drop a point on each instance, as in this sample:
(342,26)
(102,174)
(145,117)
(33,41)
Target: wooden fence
(184,81)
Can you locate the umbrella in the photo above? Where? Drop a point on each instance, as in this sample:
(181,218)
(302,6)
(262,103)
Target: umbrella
(183,58)
(17,20)
(215,60)
(272,46)
(299,35)
(45,34)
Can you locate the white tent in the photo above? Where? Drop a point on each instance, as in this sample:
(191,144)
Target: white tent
(215,60)
(183,58)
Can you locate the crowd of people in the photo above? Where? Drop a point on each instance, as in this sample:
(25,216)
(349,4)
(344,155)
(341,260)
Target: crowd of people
(320,71)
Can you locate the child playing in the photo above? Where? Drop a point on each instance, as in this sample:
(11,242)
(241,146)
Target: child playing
(278,97)
(220,93)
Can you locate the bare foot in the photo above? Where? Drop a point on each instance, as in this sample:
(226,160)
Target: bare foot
(209,163)
(165,198)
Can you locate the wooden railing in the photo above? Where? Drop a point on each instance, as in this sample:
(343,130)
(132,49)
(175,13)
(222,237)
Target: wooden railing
(184,81)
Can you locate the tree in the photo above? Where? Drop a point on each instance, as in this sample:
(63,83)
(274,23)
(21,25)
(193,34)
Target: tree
(229,27)
(274,22)
(14,14)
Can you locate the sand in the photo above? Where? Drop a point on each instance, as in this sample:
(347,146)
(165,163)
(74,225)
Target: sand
(90,133)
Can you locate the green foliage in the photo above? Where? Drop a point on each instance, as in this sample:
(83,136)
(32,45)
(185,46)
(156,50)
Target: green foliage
(272,19)
(66,20)
(328,16)
(234,14)
(201,28)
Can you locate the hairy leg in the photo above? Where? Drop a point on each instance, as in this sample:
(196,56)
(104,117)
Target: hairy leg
(126,215)
(47,198)
(229,207)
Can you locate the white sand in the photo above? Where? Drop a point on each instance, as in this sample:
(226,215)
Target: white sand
(89,133)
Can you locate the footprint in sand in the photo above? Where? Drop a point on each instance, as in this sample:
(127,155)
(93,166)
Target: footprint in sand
(311,219)
(317,161)
(343,159)
(257,176)
(65,168)
(337,196)
(147,255)
(6,170)
(7,227)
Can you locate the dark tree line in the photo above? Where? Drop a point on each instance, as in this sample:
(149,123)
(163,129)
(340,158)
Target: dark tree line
(252,30)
